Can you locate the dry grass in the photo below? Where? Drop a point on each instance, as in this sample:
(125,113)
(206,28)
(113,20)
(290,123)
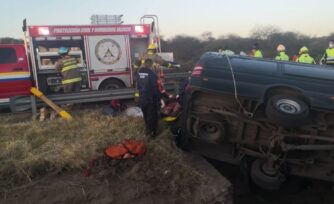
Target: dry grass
(29,150)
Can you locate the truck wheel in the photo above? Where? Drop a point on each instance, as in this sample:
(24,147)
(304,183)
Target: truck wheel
(209,128)
(287,111)
(264,180)
(110,84)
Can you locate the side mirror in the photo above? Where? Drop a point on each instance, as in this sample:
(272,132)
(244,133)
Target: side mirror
(24,26)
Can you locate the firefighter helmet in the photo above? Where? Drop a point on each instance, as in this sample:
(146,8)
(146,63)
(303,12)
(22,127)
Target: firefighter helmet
(303,50)
(331,44)
(280,48)
(152,46)
(63,51)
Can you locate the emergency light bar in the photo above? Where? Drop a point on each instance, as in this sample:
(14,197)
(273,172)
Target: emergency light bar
(43,31)
(88,30)
(139,29)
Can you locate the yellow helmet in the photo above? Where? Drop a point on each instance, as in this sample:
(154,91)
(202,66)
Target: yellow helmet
(152,46)
(303,50)
(170,119)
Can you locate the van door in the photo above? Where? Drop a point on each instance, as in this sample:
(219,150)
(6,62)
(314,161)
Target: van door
(14,72)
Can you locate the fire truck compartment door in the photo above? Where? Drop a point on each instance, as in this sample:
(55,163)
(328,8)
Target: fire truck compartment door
(109,53)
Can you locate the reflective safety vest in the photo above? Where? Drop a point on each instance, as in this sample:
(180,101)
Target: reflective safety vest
(258,54)
(328,57)
(70,71)
(282,57)
(306,58)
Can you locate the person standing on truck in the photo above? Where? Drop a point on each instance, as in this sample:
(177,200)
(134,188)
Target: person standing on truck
(256,51)
(157,60)
(282,56)
(304,56)
(149,96)
(328,57)
(70,72)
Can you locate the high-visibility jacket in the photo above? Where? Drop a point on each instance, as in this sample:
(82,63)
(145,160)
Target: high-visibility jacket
(258,54)
(282,57)
(306,58)
(328,57)
(157,60)
(70,71)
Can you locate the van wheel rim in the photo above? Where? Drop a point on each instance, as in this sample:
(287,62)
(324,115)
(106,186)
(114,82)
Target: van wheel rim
(210,129)
(288,106)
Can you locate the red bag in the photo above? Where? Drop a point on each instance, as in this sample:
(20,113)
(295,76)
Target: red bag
(116,151)
(135,147)
(128,149)
(125,150)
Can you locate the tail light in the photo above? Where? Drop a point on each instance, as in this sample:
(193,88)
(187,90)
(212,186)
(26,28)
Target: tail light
(197,72)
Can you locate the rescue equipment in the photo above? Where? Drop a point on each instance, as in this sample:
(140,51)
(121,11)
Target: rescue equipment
(65,115)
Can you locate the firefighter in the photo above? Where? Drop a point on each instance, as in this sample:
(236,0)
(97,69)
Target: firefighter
(328,57)
(256,52)
(70,72)
(304,56)
(149,96)
(157,63)
(282,56)
(157,60)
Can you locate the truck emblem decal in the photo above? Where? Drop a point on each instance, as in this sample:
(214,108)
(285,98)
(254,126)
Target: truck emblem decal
(108,51)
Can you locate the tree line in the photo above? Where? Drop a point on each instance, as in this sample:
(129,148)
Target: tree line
(187,49)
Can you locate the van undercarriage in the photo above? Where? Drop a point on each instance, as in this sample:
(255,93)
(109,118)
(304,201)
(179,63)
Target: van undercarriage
(305,150)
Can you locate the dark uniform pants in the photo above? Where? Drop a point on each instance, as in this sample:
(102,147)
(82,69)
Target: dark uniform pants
(150,112)
(73,87)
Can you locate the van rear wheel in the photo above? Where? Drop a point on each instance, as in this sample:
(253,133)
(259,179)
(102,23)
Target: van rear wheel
(287,111)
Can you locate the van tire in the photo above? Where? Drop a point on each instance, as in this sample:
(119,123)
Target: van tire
(287,111)
(110,84)
(264,181)
(182,139)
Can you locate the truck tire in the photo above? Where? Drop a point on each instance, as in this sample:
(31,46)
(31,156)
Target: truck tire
(263,180)
(287,111)
(110,84)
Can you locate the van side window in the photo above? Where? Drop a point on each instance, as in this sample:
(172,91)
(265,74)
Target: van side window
(221,63)
(255,66)
(8,56)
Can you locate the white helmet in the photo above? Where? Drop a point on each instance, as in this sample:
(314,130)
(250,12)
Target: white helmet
(280,48)
(331,44)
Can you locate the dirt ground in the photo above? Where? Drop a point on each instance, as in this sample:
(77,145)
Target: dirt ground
(164,175)
(129,182)
(144,180)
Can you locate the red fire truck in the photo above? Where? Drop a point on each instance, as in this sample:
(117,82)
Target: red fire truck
(104,52)
(15,78)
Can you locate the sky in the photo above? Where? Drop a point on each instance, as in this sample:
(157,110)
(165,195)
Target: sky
(189,17)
